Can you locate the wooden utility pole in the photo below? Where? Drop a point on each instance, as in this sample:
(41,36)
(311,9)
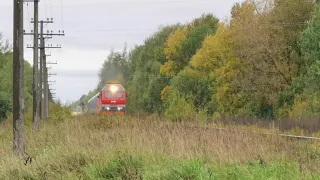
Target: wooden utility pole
(18,80)
(46,89)
(46,85)
(42,55)
(43,88)
(35,87)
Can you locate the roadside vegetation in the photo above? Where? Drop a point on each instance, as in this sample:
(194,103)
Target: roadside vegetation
(112,147)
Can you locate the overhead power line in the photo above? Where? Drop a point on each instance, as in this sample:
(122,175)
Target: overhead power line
(126,2)
(111,30)
(62,19)
(155,29)
(136,2)
(27,8)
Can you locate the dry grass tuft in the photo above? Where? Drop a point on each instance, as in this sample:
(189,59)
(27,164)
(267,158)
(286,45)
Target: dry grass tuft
(73,144)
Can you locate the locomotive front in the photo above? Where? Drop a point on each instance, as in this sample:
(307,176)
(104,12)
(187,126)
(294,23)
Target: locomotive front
(113,99)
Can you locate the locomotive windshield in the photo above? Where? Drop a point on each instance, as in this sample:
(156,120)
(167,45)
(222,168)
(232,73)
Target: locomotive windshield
(114,91)
(113,95)
(114,88)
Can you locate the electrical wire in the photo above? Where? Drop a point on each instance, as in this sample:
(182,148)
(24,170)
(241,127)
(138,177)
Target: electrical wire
(111,30)
(137,2)
(151,29)
(28,11)
(45,8)
(50,8)
(128,2)
(62,18)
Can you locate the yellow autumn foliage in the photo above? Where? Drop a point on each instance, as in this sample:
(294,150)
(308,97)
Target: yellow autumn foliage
(164,93)
(195,74)
(300,108)
(174,42)
(229,96)
(171,50)
(306,104)
(216,59)
(215,50)
(169,68)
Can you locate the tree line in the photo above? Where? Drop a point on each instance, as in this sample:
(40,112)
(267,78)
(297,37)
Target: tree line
(6,79)
(6,73)
(263,62)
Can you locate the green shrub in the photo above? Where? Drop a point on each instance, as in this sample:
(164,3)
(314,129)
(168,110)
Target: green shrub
(194,170)
(122,166)
(59,113)
(256,170)
(178,108)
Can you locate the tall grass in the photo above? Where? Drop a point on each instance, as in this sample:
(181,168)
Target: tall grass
(111,147)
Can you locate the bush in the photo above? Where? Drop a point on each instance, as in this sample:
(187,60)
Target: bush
(257,170)
(59,113)
(194,169)
(178,108)
(122,166)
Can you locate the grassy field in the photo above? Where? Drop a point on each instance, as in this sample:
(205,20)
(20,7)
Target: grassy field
(99,147)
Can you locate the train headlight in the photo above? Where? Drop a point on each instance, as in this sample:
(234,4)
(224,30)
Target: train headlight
(113,89)
(108,108)
(119,108)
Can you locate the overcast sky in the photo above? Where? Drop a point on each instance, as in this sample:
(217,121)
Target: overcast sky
(94,27)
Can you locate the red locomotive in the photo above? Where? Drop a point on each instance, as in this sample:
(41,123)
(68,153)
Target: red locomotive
(110,100)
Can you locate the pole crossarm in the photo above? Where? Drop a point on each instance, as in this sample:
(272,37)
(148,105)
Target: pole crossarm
(44,21)
(26,1)
(46,34)
(52,63)
(46,47)
(48,37)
